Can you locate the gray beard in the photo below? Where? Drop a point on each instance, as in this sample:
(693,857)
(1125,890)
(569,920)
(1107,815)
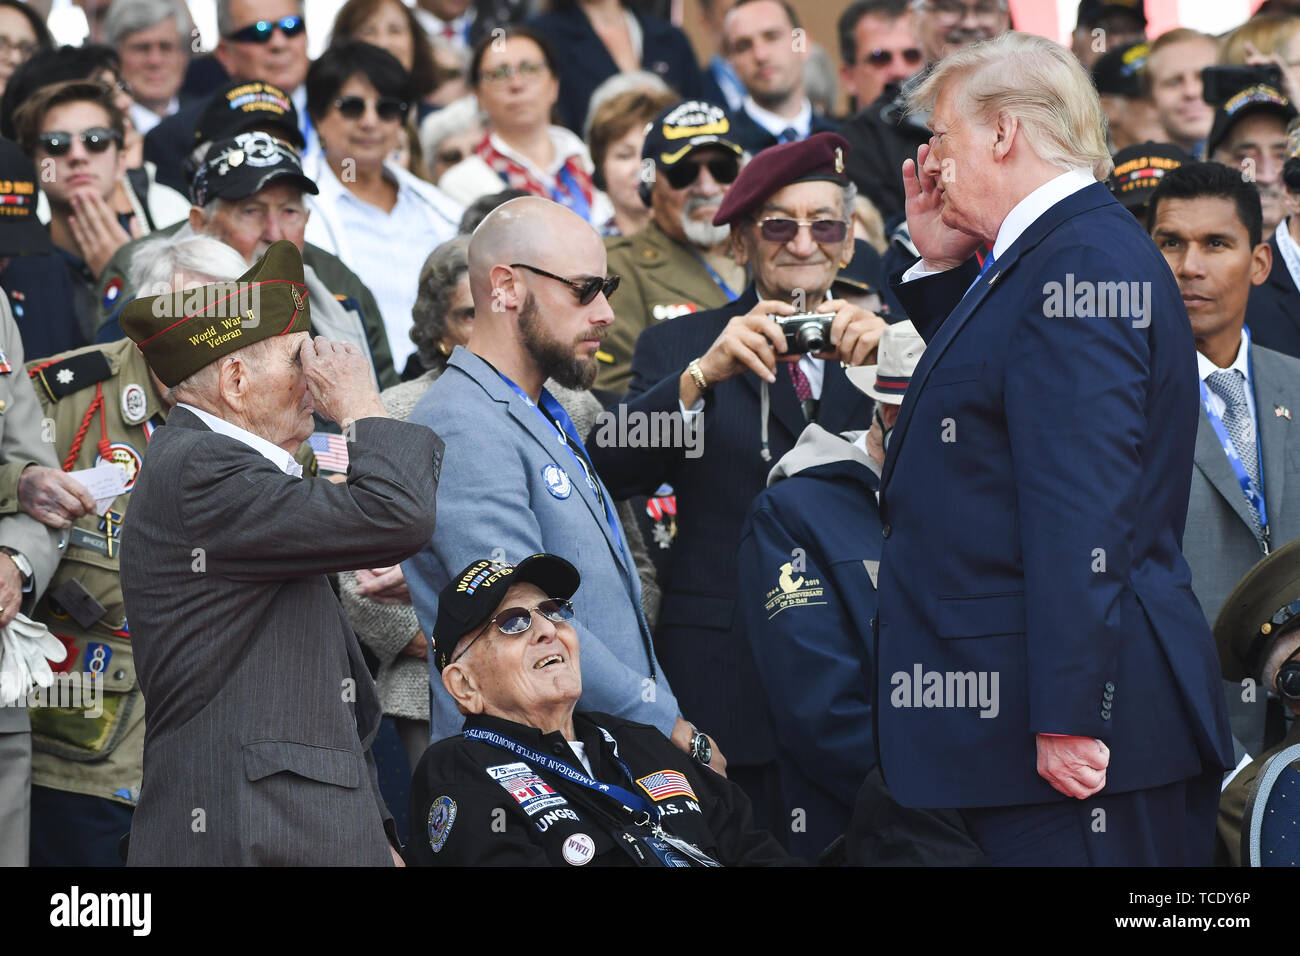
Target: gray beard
(703,234)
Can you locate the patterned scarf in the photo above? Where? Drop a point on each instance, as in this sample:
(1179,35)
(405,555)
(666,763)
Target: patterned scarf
(516,176)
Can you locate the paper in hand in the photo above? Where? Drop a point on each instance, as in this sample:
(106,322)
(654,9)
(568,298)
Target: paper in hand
(104,482)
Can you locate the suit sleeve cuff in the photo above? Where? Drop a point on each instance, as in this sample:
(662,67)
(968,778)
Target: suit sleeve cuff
(9,474)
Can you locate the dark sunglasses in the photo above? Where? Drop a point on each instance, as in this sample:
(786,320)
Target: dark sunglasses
(724,170)
(517,620)
(586,289)
(260,32)
(96,140)
(911,56)
(823,230)
(390,109)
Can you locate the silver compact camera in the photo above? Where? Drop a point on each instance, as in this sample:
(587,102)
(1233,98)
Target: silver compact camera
(806,332)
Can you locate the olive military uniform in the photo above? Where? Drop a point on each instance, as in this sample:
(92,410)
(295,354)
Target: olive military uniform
(662,279)
(1232,802)
(474,803)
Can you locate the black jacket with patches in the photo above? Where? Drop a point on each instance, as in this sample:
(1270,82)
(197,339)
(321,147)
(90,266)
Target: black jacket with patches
(481,805)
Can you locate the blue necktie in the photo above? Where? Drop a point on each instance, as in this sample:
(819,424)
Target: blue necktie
(788,135)
(988,264)
(1230,385)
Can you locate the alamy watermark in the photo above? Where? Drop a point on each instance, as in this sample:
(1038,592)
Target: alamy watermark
(948,689)
(76,690)
(623,428)
(1085,299)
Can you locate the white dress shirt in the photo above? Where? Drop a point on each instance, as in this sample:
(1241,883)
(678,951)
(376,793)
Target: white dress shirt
(1024,213)
(1290,251)
(1242,364)
(776,124)
(272,453)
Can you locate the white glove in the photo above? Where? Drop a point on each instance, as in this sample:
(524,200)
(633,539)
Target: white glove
(28,648)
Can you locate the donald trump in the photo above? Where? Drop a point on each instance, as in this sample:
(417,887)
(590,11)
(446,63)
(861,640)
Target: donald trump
(1035,488)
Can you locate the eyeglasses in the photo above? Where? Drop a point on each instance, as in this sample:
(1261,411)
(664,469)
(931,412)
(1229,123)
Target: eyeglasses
(390,109)
(514,621)
(449,157)
(528,69)
(96,140)
(723,169)
(586,289)
(823,230)
(22,47)
(911,56)
(260,32)
(956,10)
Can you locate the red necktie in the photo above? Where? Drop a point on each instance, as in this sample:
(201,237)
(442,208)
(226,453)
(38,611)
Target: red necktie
(802,389)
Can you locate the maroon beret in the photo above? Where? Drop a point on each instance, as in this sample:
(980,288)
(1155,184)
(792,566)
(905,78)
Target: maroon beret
(820,157)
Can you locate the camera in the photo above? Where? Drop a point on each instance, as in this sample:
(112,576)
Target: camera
(1220,83)
(806,332)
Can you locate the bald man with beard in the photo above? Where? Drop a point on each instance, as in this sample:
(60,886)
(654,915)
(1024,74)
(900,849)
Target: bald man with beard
(516,479)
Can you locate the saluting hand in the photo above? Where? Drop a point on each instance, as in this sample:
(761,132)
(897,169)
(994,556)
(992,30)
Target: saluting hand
(341,381)
(940,245)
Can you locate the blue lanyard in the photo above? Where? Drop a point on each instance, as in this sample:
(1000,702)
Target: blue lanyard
(1254,494)
(731,296)
(568,193)
(633,802)
(559,417)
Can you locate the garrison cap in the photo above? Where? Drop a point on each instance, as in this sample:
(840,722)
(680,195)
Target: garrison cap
(470,598)
(1265,600)
(181,332)
(820,157)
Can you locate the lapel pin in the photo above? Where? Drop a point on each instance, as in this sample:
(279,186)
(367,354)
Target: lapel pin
(1281,411)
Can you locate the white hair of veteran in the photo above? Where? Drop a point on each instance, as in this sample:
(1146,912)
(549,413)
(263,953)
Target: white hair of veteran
(1035,80)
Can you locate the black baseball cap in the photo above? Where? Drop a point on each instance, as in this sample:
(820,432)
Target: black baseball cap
(1256,98)
(1119,72)
(865,272)
(680,130)
(1092,11)
(244,165)
(246,105)
(1139,169)
(470,598)
(21,233)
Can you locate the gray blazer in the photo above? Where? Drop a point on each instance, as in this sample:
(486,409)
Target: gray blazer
(496,502)
(22,443)
(1219,542)
(261,710)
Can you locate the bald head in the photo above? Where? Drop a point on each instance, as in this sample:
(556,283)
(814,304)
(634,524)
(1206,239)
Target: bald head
(537,231)
(530,322)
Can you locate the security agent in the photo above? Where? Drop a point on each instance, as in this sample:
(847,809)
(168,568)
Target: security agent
(1258,635)
(529,782)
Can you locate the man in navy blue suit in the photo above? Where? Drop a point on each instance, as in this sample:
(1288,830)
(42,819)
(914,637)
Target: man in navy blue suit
(1041,662)
(789,212)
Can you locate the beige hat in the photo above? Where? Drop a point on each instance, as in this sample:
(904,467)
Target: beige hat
(899,352)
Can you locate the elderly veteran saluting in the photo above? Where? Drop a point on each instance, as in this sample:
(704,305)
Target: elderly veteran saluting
(571,789)
(261,709)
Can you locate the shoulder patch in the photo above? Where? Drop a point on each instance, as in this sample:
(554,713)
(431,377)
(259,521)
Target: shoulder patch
(442,815)
(666,784)
(61,378)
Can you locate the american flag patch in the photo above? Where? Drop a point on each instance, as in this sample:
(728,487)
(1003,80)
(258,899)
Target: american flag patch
(331,451)
(665,784)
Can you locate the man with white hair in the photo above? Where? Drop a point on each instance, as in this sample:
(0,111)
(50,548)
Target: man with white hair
(153,38)
(261,707)
(105,404)
(1043,665)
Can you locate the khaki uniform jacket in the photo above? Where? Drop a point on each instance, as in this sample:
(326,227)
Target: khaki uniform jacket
(662,279)
(99,756)
(22,443)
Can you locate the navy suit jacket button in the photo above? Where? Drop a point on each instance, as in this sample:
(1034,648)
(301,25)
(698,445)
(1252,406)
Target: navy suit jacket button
(884,531)
(1110,687)
(1105,713)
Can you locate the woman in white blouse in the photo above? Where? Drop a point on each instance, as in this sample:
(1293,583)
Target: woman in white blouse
(374,215)
(513,75)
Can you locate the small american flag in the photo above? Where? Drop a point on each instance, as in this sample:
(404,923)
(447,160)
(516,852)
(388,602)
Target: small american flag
(331,451)
(665,784)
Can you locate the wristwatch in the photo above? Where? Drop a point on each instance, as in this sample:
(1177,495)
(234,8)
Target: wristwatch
(24,566)
(701,749)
